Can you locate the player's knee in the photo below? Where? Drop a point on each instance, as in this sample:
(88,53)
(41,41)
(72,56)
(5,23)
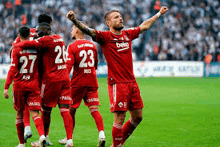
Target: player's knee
(120,117)
(19,114)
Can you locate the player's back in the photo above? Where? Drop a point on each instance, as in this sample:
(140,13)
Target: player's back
(84,54)
(54,67)
(26,62)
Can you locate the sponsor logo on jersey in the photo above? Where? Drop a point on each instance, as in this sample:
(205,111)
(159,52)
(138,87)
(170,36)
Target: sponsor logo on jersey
(26,77)
(87,71)
(65,98)
(58,40)
(28,51)
(34,104)
(93,100)
(61,66)
(118,138)
(85,45)
(122,46)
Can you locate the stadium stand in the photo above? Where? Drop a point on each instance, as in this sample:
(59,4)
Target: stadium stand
(189,31)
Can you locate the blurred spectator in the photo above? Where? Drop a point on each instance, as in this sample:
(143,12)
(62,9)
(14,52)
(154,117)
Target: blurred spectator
(162,55)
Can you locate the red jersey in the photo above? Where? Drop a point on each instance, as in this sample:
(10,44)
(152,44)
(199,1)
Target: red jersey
(118,54)
(54,67)
(23,70)
(32,33)
(82,55)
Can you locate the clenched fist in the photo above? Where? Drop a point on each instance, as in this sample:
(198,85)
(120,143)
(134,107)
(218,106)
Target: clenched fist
(6,93)
(70,15)
(163,10)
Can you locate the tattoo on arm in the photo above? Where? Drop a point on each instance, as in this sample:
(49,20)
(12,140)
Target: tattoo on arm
(84,28)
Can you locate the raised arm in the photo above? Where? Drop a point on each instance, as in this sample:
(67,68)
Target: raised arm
(89,31)
(148,23)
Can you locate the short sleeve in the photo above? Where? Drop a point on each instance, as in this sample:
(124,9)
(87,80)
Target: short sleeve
(133,32)
(70,55)
(101,36)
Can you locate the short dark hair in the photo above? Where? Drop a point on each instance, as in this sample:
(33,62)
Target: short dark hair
(24,32)
(43,29)
(109,12)
(44,18)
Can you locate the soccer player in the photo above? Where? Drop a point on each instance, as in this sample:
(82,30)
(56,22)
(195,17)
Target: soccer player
(124,93)
(26,115)
(26,92)
(82,56)
(55,80)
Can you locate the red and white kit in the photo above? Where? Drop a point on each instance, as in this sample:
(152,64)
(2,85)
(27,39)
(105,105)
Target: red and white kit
(55,76)
(24,72)
(82,55)
(117,51)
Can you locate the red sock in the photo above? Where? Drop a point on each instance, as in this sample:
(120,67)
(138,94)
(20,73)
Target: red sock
(117,135)
(20,129)
(45,115)
(72,113)
(98,118)
(68,122)
(26,116)
(39,125)
(128,129)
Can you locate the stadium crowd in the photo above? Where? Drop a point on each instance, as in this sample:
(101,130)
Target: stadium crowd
(189,31)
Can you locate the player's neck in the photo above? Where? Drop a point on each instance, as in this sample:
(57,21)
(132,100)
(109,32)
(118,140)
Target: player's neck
(117,32)
(22,39)
(79,36)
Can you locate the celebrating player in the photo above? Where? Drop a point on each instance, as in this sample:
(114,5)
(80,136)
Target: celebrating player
(124,93)
(24,72)
(82,55)
(26,116)
(55,81)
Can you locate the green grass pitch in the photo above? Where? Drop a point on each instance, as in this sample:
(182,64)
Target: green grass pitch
(178,112)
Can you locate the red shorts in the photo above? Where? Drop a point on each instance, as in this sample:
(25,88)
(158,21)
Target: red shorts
(88,94)
(56,93)
(125,96)
(30,98)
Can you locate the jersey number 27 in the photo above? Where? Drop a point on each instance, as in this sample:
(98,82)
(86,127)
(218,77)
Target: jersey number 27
(25,60)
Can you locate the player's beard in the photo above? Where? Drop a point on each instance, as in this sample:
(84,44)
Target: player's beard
(73,37)
(119,28)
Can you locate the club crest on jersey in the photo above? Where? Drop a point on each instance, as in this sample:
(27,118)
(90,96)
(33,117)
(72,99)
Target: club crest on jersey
(121,104)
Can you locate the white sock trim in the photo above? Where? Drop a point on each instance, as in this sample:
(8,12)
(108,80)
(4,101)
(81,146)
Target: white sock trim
(101,134)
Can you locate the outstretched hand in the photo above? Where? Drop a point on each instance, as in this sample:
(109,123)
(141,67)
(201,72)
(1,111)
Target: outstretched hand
(163,10)
(70,15)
